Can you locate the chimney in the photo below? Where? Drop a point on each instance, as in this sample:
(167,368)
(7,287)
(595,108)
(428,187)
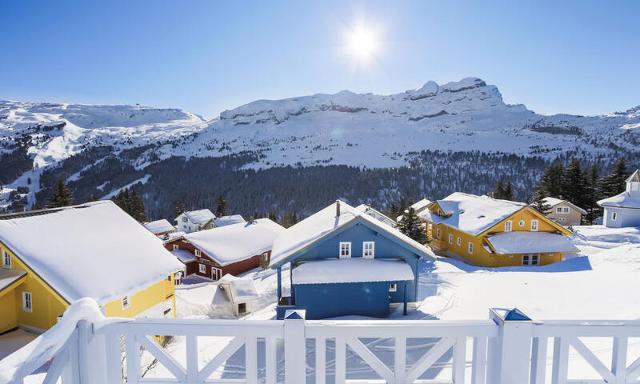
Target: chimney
(337,208)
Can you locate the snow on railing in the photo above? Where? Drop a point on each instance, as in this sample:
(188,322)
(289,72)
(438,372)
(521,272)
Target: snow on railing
(58,346)
(506,348)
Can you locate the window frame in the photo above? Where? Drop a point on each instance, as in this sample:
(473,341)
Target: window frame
(470,248)
(176,247)
(508,226)
(6,259)
(372,245)
(202,268)
(347,255)
(450,238)
(198,253)
(522,223)
(614,216)
(27,301)
(534,228)
(459,241)
(393,287)
(125,301)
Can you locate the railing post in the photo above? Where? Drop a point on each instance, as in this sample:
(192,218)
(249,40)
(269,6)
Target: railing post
(294,347)
(510,352)
(92,359)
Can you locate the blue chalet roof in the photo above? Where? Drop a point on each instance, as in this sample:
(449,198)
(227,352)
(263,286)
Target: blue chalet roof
(336,217)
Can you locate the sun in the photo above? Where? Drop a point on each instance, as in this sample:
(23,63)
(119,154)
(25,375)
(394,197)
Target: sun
(362,42)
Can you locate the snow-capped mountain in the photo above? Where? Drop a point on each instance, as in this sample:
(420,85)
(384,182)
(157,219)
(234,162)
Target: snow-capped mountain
(380,131)
(80,142)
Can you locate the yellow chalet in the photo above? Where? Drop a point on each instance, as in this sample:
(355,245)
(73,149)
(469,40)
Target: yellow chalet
(53,257)
(494,233)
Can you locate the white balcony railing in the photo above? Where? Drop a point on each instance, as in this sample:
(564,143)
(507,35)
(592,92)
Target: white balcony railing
(91,349)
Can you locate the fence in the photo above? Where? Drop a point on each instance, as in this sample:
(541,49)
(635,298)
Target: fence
(506,348)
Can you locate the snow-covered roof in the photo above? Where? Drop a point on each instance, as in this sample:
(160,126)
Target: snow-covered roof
(419,205)
(376,214)
(530,242)
(622,200)
(236,242)
(324,222)
(9,276)
(228,220)
(183,255)
(553,201)
(239,290)
(91,250)
(354,270)
(201,216)
(159,226)
(472,213)
(171,236)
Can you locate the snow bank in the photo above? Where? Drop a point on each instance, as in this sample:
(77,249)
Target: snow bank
(32,356)
(356,270)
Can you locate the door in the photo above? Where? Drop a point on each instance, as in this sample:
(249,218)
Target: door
(216,273)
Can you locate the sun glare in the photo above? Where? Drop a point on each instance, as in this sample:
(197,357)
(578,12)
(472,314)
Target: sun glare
(362,43)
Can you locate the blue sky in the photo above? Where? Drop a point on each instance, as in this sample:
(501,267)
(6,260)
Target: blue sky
(206,56)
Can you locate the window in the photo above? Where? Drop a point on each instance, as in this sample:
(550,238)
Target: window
(202,268)
(450,238)
(438,233)
(345,249)
(470,248)
(176,247)
(368,249)
(614,216)
(534,225)
(125,302)
(6,260)
(459,241)
(558,209)
(508,226)
(530,259)
(521,223)
(242,308)
(198,253)
(393,287)
(563,210)
(184,219)
(27,302)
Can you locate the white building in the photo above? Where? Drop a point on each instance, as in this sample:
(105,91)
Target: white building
(159,227)
(623,210)
(193,221)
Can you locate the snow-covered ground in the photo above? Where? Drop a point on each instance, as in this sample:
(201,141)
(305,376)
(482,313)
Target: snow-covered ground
(598,283)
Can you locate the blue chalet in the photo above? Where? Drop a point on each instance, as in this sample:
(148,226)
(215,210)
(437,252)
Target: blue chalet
(341,261)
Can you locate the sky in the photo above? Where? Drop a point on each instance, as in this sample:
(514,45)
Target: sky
(580,57)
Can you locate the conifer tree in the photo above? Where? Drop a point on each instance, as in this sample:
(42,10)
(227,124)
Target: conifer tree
(593,195)
(498,191)
(551,181)
(61,196)
(508,191)
(538,202)
(614,183)
(131,203)
(180,208)
(574,184)
(411,226)
(221,209)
